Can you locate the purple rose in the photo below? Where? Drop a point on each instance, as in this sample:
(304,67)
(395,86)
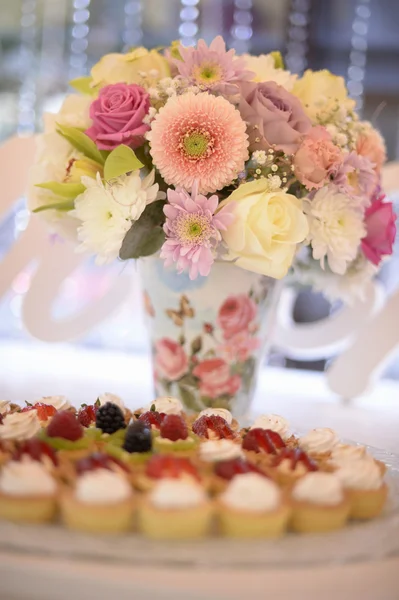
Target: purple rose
(117,116)
(274,117)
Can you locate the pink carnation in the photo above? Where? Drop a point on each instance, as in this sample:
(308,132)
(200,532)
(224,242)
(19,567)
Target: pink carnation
(372,146)
(356,178)
(381,230)
(117,116)
(171,361)
(199,137)
(316,158)
(215,378)
(193,231)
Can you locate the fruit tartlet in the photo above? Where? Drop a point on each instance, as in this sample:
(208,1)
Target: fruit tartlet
(213,451)
(169,405)
(19,426)
(217,412)
(366,489)
(319,503)
(252,506)
(38,450)
(290,465)
(225,470)
(100,501)
(278,424)
(135,449)
(66,435)
(319,443)
(176,509)
(164,466)
(261,445)
(28,492)
(343,453)
(174,436)
(213,427)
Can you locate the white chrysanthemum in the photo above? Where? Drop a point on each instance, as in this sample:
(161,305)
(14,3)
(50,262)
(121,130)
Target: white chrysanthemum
(107,211)
(335,228)
(264,69)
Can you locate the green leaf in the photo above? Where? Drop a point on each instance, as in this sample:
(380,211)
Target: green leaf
(146,236)
(82,85)
(63,205)
(196,344)
(120,161)
(278,60)
(81,142)
(67,190)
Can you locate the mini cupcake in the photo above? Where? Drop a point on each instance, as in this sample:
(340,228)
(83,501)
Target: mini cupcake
(344,453)
(252,507)
(38,450)
(275,423)
(28,493)
(19,426)
(169,405)
(58,402)
(101,501)
(116,400)
(319,443)
(319,503)
(66,435)
(176,509)
(225,470)
(290,465)
(261,445)
(164,466)
(365,487)
(174,437)
(213,427)
(218,412)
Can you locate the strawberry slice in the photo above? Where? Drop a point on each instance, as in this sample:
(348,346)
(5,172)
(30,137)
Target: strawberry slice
(295,456)
(214,423)
(263,440)
(87,413)
(44,411)
(98,460)
(36,449)
(165,465)
(152,417)
(227,469)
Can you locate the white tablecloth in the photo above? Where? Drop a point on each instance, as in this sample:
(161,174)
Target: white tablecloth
(28,372)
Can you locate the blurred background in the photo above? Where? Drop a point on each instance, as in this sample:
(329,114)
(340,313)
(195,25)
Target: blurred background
(44,43)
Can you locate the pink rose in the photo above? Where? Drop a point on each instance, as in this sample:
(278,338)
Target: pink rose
(236,314)
(215,378)
(117,116)
(274,117)
(316,158)
(171,361)
(381,230)
(239,347)
(372,146)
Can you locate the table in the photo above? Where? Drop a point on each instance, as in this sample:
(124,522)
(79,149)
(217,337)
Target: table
(29,371)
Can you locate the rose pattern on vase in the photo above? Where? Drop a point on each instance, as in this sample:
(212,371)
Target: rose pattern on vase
(208,337)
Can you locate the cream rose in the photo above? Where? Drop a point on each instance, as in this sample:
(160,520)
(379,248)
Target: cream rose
(128,68)
(322,93)
(266,230)
(264,68)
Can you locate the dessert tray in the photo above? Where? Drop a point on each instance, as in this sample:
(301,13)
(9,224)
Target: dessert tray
(357,541)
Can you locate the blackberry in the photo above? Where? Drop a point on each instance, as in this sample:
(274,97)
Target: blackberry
(138,438)
(109,418)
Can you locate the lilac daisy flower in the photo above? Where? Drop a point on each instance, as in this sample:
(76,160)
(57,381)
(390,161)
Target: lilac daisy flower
(193,230)
(356,178)
(213,68)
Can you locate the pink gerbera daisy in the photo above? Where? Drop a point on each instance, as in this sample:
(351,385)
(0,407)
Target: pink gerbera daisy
(193,230)
(199,137)
(212,68)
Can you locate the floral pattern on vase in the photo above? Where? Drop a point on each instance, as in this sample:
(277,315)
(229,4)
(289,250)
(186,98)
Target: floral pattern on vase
(208,338)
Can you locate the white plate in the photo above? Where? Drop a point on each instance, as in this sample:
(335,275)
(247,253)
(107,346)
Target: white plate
(367,541)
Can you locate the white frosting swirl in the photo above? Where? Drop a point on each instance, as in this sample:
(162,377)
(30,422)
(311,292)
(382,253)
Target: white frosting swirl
(102,486)
(168,405)
(177,493)
(274,422)
(59,402)
(344,453)
(107,397)
(217,412)
(319,488)
(19,425)
(360,475)
(26,478)
(319,441)
(252,492)
(214,450)
(4,406)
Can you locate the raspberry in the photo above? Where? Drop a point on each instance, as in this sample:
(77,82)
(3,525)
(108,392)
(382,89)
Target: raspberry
(65,425)
(99,461)
(152,417)
(138,438)
(174,428)
(165,465)
(110,418)
(35,448)
(263,440)
(44,411)
(295,456)
(87,414)
(227,469)
(215,423)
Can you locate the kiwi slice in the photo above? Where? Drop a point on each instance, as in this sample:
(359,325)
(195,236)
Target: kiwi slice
(164,445)
(59,443)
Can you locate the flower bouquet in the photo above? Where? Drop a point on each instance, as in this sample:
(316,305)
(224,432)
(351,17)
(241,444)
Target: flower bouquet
(221,173)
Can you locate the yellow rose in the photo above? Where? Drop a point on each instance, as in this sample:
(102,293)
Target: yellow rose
(322,93)
(266,230)
(126,68)
(265,69)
